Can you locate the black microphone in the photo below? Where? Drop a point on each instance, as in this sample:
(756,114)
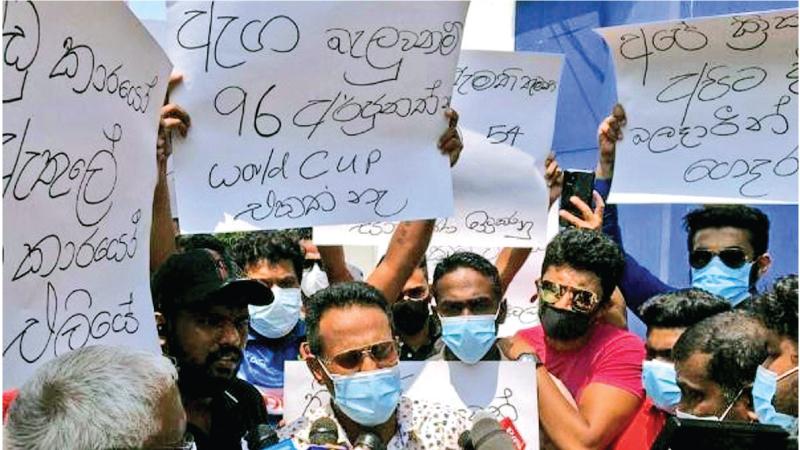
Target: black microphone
(260,437)
(487,434)
(369,441)
(465,441)
(324,431)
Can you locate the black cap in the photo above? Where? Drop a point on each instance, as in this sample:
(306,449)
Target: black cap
(203,277)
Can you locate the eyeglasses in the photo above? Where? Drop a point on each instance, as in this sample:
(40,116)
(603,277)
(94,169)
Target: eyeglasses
(731,257)
(385,354)
(583,301)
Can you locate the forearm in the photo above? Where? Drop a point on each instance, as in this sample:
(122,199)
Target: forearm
(406,249)
(564,424)
(162,232)
(509,262)
(334,263)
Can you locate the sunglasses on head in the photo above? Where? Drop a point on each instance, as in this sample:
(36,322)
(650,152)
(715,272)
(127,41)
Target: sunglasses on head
(583,301)
(731,257)
(385,354)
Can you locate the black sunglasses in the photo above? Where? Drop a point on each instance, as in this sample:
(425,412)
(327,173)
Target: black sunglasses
(731,257)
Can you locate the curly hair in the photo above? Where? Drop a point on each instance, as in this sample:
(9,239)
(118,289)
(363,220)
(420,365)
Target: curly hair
(737,343)
(682,308)
(472,261)
(587,250)
(777,308)
(272,246)
(755,222)
(341,295)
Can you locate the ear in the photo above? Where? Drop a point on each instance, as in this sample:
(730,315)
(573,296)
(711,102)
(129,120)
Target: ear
(161,327)
(312,363)
(502,311)
(763,263)
(744,407)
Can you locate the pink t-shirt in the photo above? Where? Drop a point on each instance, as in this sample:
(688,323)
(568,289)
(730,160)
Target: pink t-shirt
(611,356)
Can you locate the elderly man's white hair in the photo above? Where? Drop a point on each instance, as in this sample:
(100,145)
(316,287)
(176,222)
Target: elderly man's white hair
(93,398)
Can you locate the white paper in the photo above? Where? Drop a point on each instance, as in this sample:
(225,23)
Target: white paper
(308,113)
(507,106)
(82,88)
(503,389)
(712,109)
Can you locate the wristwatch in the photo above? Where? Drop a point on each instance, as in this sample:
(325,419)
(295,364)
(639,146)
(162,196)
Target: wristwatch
(533,357)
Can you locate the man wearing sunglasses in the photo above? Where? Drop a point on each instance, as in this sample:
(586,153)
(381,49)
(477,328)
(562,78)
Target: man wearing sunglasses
(420,331)
(470,306)
(775,385)
(351,350)
(727,243)
(600,364)
(716,362)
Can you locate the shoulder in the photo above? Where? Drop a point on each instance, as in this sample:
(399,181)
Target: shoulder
(611,337)
(248,396)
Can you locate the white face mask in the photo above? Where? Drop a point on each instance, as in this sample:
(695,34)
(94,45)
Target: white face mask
(315,279)
(279,317)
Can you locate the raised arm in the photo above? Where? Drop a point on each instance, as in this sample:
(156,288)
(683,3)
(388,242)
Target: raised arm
(162,232)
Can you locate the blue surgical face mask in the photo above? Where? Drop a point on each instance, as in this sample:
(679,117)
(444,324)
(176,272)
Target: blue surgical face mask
(717,278)
(660,382)
(368,398)
(469,337)
(279,317)
(764,388)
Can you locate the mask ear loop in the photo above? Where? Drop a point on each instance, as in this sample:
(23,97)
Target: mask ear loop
(786,374)
(728,409)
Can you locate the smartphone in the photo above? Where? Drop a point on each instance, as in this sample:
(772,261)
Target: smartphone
(578,183)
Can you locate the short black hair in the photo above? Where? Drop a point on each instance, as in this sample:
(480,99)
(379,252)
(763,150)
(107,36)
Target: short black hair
(737,343)
(472,261)
(195,241)
(341,295)
(777,308)
(273,246)
(744,217)
(587,250)
(682,308)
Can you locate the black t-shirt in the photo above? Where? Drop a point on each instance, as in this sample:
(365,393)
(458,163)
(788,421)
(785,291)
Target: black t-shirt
(234,412)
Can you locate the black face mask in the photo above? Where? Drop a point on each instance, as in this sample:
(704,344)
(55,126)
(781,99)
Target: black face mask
(563,324)
(410,316)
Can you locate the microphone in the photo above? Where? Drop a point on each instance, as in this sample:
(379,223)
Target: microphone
(260,437)
(369,441)
(487,434)
(465,441)
(324,431)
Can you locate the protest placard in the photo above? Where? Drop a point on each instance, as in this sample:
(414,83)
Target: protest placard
(83,84)
(712,109)
(503,389)
(307,113)
(507,103)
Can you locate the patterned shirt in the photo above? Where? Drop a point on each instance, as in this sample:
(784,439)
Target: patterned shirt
(421,425)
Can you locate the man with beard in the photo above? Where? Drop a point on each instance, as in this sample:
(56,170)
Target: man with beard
(601,365)
(203,298)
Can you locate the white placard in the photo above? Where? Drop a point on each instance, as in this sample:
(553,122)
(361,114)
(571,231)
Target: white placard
(504,389)
(83,83)
(507,104)
(712,109)
(308,113)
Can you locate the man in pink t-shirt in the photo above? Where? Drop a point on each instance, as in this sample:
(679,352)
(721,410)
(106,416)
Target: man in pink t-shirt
(600,365)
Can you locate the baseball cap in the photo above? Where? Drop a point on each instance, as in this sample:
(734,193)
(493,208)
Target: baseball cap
(201,277)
